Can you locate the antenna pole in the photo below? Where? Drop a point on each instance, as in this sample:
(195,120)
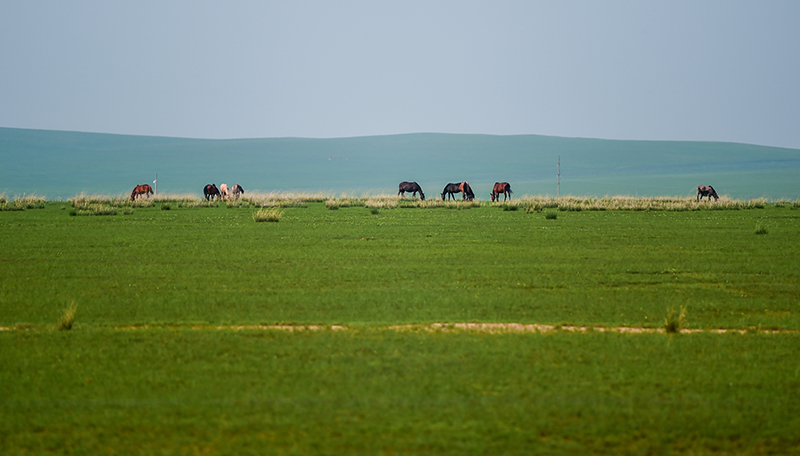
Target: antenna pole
(559,176)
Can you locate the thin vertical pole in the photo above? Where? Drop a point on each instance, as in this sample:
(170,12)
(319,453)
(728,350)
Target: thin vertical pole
(559,176)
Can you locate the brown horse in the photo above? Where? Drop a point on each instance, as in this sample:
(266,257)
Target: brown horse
(466,191)
(501,187)
(708,191)
(143,189)
(210,191)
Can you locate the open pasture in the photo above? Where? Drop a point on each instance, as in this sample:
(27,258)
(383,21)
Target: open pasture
(154,362)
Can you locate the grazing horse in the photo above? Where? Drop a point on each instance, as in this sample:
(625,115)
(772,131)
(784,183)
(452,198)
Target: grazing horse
(237,191)
(450,190)
(412,187)
(223,191)
(143,189)
(501,187)
(708,191)
(466,191)
(209,191)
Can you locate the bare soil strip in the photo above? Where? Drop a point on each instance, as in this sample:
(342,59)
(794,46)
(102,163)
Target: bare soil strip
(492,328)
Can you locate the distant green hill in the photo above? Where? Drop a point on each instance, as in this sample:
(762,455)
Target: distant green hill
(60,164)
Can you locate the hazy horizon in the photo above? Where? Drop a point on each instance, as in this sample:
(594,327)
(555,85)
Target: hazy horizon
(65,164)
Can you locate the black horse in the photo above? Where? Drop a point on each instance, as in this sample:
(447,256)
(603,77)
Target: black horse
(450,190)
(707,191)
(237,191)
(209,191)
(412,187)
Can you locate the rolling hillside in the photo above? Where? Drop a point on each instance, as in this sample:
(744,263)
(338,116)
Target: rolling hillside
(60,165)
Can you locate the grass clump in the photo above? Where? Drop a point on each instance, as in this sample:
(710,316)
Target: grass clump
(66,320)
(551,215)
(675,321)
(760,229)
(268,215)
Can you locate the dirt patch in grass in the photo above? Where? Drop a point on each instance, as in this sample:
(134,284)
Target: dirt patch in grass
(492,328)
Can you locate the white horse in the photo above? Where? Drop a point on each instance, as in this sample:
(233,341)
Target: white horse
(237,191)
(223,191)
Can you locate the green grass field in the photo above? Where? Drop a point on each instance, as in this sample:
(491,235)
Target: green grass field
(156,360)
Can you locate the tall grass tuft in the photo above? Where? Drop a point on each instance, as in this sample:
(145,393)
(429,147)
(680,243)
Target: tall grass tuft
(760,229)
(67,318)
(95,209)
(268,215)
(674,322)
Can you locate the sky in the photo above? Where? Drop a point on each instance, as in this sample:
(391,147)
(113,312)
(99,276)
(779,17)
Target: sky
(649,70)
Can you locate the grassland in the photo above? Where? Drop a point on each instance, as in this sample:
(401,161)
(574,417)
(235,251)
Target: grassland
(197,329)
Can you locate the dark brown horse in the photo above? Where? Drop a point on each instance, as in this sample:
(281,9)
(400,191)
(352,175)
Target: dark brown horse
(237,191)
(412,187)
(708,191)
(139,190)
(210,191)
(501,187)
(450,190)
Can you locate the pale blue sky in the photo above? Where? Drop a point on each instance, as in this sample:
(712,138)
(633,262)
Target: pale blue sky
(674,70)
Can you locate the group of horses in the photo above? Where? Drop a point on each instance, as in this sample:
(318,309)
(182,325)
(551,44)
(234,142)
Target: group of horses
(451,189)
(210,191)
(504,188)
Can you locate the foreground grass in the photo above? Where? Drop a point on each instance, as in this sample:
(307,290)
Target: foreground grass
(163,387)
(215,265)
(369,391)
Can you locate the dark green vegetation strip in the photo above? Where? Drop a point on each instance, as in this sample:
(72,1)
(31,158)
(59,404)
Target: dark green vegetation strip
(317,266)
(274,392)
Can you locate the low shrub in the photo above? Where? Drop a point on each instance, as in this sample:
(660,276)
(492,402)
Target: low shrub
(67,318)
(268,215)
(675,321)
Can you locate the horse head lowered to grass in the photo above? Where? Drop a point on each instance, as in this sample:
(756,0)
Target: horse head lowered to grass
(412,187)
(451,189)
(501,187)
(139,190)
(707,191)
(210,191)
(237,191)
